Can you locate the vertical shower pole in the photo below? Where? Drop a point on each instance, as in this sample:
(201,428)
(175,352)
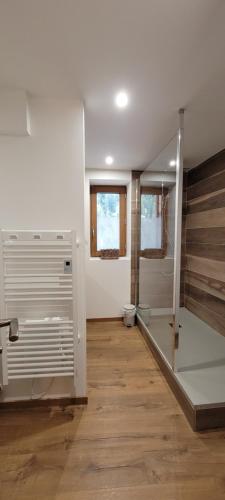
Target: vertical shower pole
(178,231)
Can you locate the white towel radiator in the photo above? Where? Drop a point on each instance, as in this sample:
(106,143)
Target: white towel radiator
(38,271)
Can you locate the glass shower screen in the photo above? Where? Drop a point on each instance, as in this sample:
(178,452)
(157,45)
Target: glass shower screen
(156,253)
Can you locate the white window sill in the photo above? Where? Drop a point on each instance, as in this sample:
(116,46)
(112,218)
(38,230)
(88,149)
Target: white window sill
(98,259)
(167,257)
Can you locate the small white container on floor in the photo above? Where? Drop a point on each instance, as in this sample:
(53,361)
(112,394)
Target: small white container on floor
(129,312)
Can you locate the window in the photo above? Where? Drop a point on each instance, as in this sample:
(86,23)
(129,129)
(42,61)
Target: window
(108,219)
(153,222)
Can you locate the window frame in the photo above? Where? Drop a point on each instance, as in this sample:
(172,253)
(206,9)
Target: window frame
(156,253)
(122,191)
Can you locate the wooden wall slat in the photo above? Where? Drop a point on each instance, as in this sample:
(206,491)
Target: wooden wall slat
(213,320)
(209,218)
(210,167)
(208,300)
(206,235)
(208,202)
(208,185)
(210,285)
(210,268)
(210,251)
(204,249)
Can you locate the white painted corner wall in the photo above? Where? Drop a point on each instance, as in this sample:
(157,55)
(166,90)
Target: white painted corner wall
(107,281)
(42,187)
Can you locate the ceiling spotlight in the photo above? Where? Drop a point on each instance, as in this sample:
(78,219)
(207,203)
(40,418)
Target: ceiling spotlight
(109,160)
(172,163)
(121,99)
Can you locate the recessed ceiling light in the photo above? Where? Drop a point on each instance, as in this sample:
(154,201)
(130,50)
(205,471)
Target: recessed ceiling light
(109,160)
(121,99)
(172,163)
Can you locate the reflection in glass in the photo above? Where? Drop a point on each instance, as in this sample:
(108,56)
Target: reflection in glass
(156,264)
(151,221)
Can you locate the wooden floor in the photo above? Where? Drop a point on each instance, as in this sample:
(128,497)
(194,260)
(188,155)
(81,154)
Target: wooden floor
(132,442)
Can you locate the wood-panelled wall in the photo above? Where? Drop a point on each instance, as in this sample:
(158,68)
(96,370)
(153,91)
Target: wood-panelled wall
(204,288)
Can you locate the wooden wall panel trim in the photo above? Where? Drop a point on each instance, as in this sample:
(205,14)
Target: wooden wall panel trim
(210,201)
(214,252)
(208,168)
(209,218)
(123,224)
(206,267)
(214,320)
(215,304)
(206,186)
(209,285)
(108,189)
(135,235)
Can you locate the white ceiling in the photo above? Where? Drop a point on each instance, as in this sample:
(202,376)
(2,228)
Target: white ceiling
(167,53)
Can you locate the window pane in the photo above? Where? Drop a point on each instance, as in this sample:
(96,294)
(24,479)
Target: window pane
(151,221)
(108,221)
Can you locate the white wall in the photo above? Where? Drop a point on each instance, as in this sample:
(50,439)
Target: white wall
(14,112)
(107,281)
(42,187)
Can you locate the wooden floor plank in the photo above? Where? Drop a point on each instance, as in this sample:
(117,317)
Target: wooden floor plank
(131,441)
